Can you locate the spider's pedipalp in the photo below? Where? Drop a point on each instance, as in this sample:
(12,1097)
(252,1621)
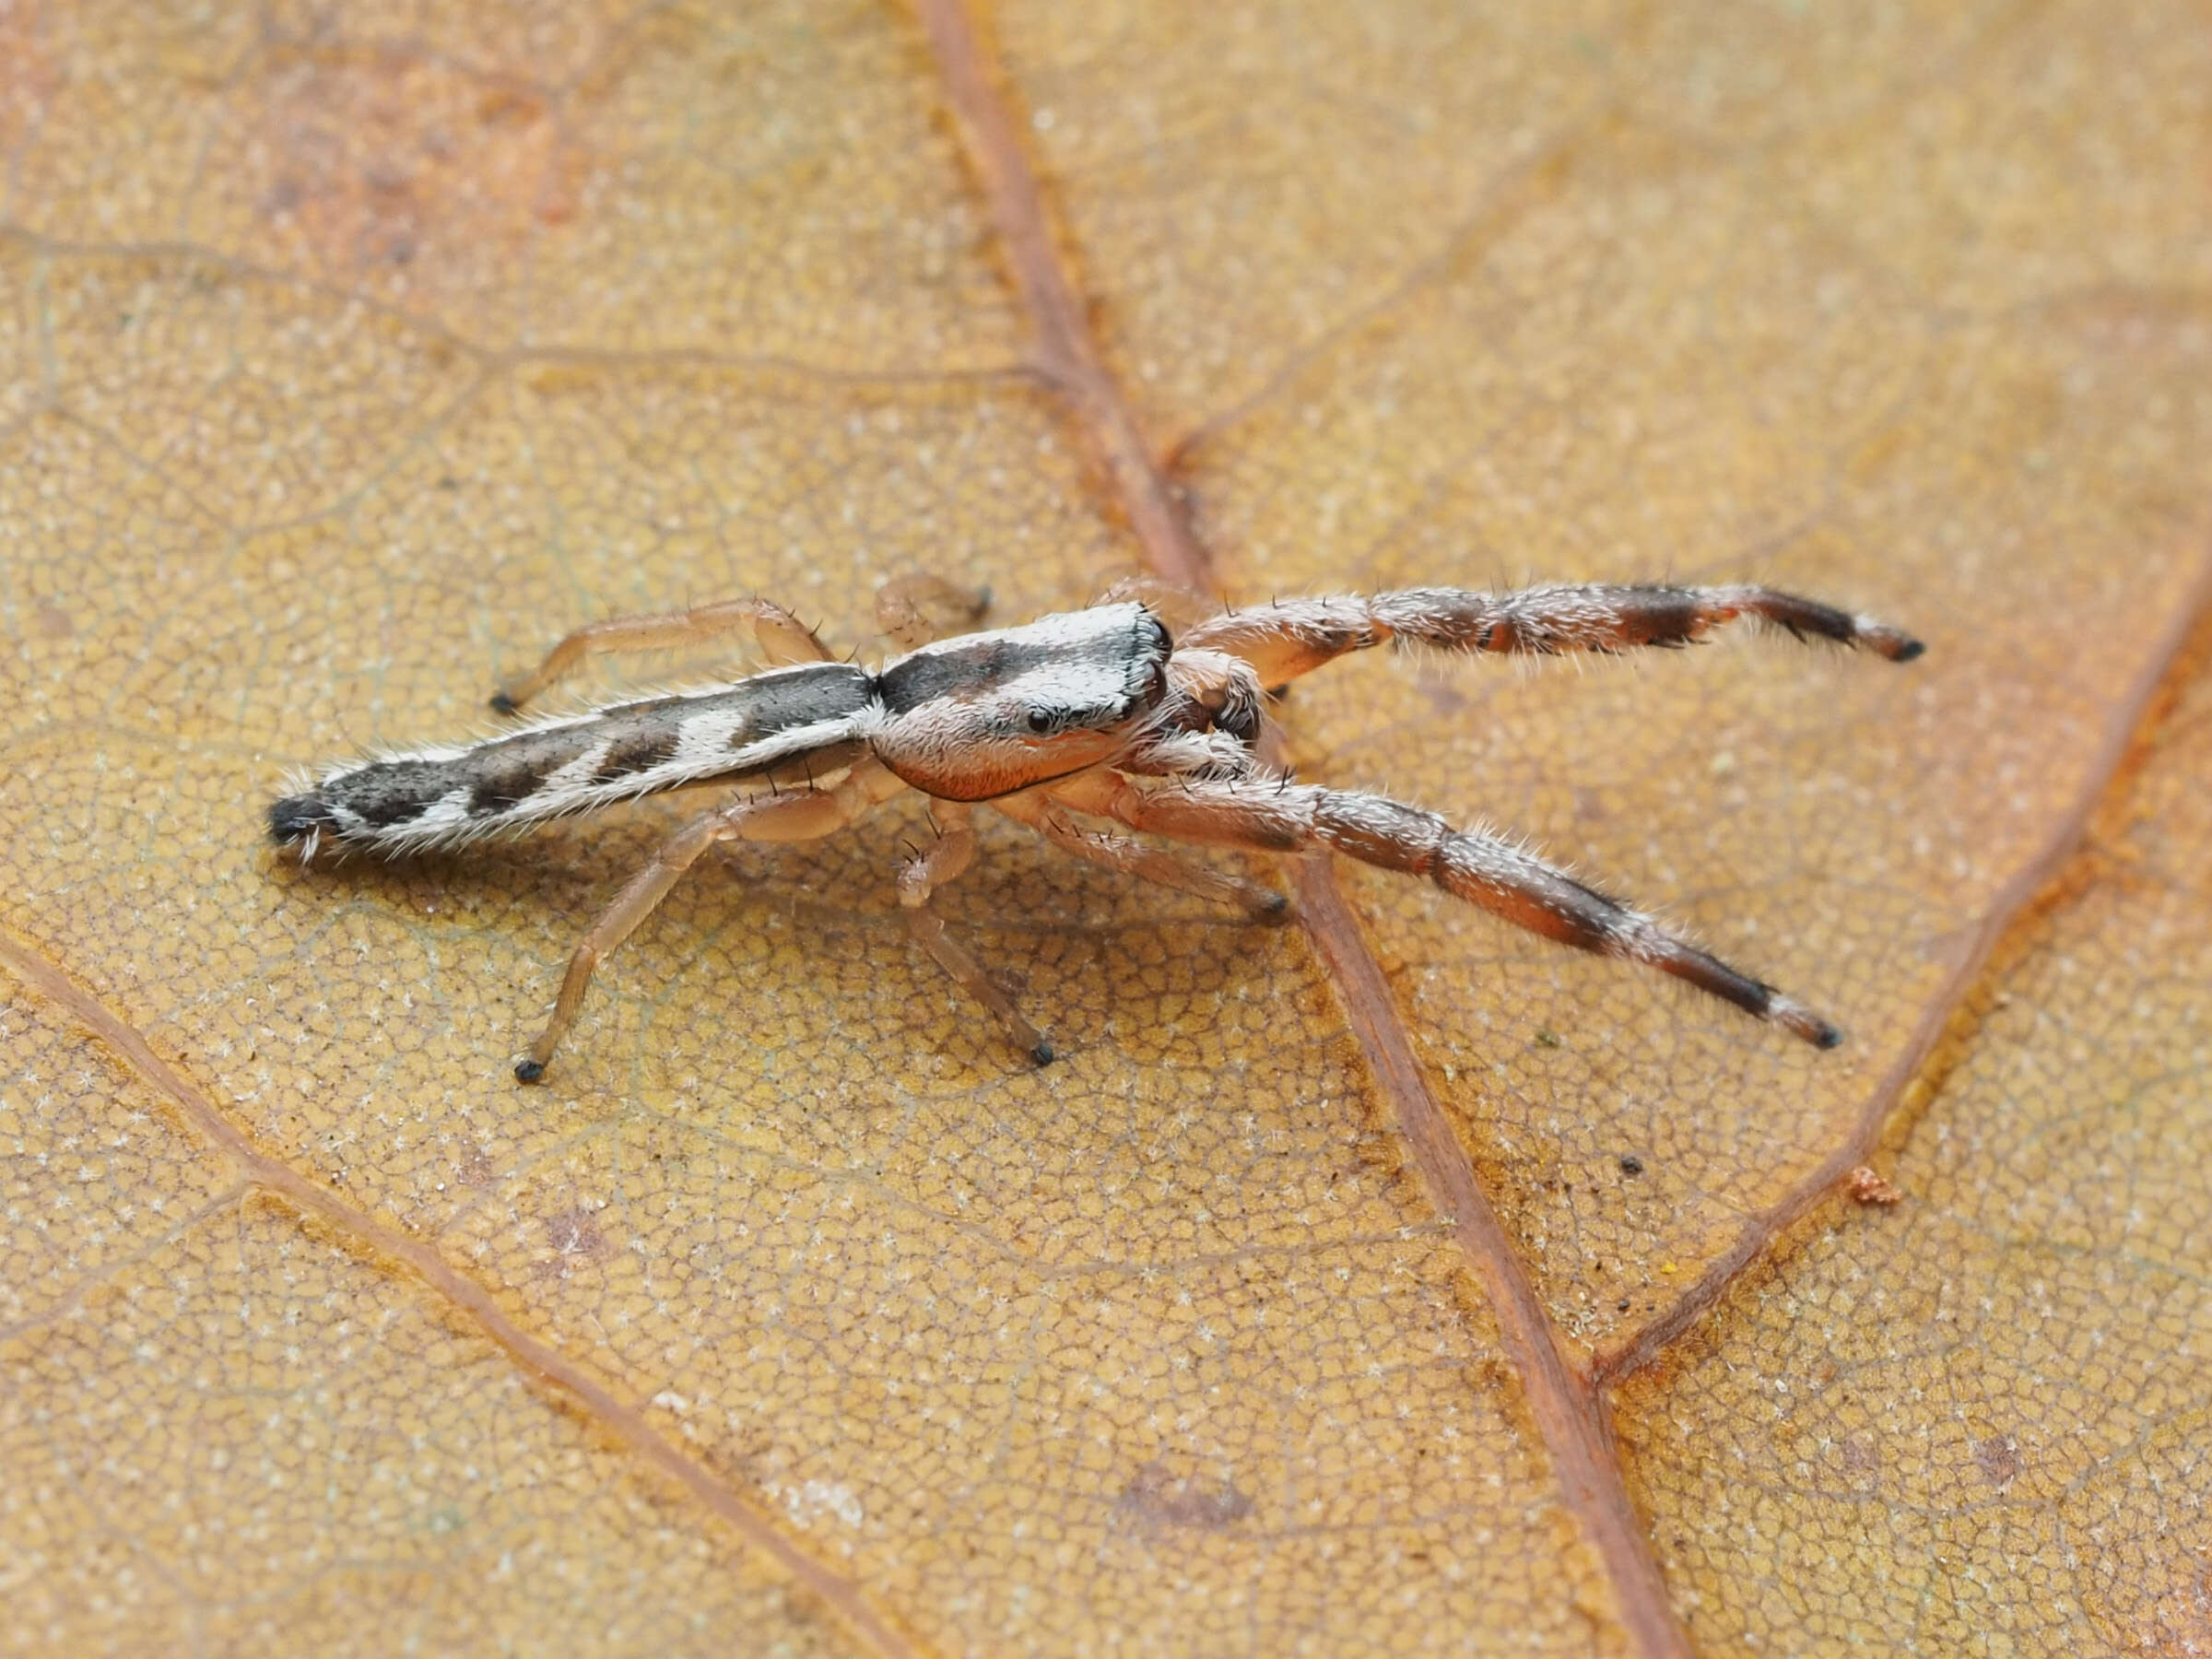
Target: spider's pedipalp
(1294,637)
(1483,869)
(1211,690)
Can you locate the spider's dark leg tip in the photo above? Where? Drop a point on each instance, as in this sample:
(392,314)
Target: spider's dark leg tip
(1042,1054)
(503,704)
(1273,910)
(529,1071)
(1907,652)
(1799,1021)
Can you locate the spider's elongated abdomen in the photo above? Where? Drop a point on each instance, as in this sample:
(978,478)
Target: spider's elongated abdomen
(436,797)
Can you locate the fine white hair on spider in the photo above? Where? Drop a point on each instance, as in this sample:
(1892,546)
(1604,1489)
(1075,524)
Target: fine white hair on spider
(1082,726)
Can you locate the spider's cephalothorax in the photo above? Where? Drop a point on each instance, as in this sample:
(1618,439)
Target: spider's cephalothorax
(1079,725)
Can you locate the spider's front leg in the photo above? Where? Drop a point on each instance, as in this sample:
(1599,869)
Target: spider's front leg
(1292,637)
(784,639)
(806,815)
(1483,870)
(947,857)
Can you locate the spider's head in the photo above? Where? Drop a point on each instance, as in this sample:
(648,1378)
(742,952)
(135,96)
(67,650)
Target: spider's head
(987,714)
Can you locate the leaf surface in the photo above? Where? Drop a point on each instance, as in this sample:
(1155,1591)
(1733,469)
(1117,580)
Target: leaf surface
(349,362)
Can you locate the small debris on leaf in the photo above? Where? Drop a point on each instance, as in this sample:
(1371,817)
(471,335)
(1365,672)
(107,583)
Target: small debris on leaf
(1867,1187)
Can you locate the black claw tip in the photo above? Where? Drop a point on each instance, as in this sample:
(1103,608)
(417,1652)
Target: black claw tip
(1907,652)
(529,1071)
(1043,1053)
(1827,1037)
(1274,909)
(503,704)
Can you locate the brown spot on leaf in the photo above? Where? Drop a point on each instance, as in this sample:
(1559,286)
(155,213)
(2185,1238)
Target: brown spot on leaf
(1154,1499)
(378,159)
(1999,1457)
(28,74)
(574,1235)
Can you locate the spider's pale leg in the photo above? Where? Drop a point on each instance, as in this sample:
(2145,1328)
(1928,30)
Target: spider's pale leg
(1118,851)
(916,609)
(1296,636)
(788,817)
(949,856)
(1482,869)
(784,639)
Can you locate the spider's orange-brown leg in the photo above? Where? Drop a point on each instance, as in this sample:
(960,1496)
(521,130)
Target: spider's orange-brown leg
(947,857)
(806,815)
(784,639)
(1292,637)
(1495,875)
(1118,851)
(916,609)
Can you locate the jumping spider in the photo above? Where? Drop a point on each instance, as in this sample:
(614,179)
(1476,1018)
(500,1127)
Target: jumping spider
(1068,724)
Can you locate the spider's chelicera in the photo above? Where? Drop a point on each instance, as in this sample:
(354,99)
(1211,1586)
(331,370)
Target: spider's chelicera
(1083,726)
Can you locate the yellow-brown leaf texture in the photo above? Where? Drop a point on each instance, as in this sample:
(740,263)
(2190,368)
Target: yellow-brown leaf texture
(348,355)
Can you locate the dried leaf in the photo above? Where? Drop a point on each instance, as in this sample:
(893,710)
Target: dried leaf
(348,362)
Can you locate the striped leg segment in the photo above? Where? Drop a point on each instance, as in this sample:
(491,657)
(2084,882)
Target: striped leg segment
(1495,875)
(1296,636)
(784,639)
(947,857)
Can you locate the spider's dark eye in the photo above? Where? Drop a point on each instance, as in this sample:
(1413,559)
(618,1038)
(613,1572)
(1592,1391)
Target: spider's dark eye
(1039,721)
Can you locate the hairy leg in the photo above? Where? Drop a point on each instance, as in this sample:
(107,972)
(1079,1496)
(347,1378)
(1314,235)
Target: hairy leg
(806,815)
(784,639)
(1118,851)
(947,857)
(1296,636)
(916,609)
(1494,873)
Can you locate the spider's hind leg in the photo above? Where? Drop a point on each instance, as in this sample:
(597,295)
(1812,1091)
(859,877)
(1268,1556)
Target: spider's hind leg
(784,639)
(806,815)
(920,607)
